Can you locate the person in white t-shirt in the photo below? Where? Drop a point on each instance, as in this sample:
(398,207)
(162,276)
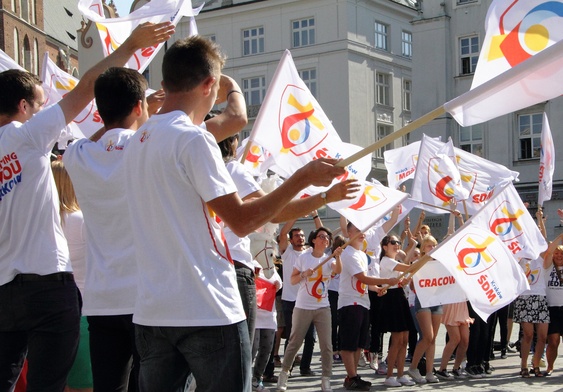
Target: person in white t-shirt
(34,266)
(177,185)
(354,305)
(554,302)
(311,304)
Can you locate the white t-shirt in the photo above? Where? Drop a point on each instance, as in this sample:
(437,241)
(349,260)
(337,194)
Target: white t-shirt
(31,237)
(554,289)
(351,290)
(289,258)
(537,276)
(313,290)
(246,185)
(372,242)
(98,176)
(75,235)
(173,169)
(386,270)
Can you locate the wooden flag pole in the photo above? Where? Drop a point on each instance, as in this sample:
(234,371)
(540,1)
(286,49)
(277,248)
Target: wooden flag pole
(395,135)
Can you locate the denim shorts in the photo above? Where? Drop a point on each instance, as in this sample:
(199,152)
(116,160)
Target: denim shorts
(432,309)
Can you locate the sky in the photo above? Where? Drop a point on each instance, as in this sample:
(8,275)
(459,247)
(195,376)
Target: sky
(123,6)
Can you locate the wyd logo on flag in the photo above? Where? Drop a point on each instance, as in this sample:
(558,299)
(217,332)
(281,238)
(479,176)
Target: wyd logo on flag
(504,222)
(255,155)
(531,274)
(371,198)
(301,129)
(521,37)
(472,254)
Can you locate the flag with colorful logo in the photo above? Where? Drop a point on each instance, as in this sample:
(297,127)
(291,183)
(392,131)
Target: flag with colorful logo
(547,163)
(438,181)
(520,63)
(292,127)
(257,160)
(57,83)
(479,177)
(483,267)
(506,217)
(371,205)
(114,31)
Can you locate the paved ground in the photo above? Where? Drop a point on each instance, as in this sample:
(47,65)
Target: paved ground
(504,378)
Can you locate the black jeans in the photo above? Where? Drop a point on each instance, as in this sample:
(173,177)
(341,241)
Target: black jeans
(40,319)
(115,361)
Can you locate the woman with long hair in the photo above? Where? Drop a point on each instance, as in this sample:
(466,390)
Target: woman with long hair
(72,221)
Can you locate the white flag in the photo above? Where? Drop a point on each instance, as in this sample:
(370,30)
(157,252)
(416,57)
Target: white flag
(6,63)
(435,285)
(506,217)
(483,267)
(547,163)
(370,206)
(292,126)
(520,63)
(401,164)
(114,31)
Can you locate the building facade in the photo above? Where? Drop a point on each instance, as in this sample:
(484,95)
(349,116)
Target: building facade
(448,36)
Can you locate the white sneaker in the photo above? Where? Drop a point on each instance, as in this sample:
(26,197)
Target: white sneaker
(325,384)
(373,364)
(362,360)
(403,380)
(431,378)
(416,376)
(282,381)
(392,382)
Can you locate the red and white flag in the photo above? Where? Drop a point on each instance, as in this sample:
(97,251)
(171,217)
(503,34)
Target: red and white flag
(114,31)
(547,163)
(483,267)
(401,164)
(520,63)
(435,285)
(507,218)
(372,204)
(294,129)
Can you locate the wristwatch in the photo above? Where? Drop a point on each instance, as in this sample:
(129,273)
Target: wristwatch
(323,196)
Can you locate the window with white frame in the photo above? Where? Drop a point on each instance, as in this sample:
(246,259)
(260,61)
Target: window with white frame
(406,43)
(382,131)
(407,94)
(529,133)
(469,54)
(16,46)
(471,139)
(381,34)
(303,32)
(254,90)
(466,1)
(253,41)
(383,89)
(309,76)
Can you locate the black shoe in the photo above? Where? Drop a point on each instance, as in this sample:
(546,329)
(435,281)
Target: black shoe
(307,372)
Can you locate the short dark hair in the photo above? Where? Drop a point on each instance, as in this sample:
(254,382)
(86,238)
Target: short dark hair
(315,233)
(293,230)
(189,62)
(117,92)
(16,85)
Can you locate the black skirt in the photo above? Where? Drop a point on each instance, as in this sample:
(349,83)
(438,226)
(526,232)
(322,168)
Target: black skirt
(395,315)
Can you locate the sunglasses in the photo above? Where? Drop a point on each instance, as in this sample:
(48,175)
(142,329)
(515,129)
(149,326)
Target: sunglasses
(394,242)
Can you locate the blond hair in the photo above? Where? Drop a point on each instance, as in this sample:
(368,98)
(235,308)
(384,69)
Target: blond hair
(427,239)
(67,197)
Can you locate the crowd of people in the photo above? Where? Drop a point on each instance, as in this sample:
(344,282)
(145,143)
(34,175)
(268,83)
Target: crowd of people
(126,265)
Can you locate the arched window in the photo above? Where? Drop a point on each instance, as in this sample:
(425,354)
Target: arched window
(33,11)
(13,5)
(36,56)
(27,63)
(16,46)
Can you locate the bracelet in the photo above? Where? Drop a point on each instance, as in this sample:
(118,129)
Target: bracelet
(233,91)
(315,217)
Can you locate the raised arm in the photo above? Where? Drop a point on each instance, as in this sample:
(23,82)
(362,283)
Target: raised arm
(145,35)
(284,232)
(233,118)
(387,226)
